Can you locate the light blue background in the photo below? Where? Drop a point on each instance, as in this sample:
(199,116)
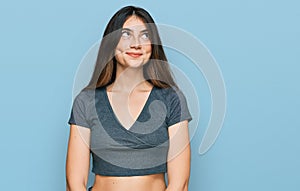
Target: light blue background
(256,44)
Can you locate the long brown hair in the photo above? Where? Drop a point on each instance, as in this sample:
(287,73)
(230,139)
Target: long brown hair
(156,70)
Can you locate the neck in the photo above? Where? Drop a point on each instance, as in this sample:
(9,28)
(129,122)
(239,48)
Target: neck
(128,79)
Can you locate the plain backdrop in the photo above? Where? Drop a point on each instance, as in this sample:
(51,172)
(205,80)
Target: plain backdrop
(255,43)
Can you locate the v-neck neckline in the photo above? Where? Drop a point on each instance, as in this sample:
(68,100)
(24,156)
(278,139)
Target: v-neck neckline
(107,101)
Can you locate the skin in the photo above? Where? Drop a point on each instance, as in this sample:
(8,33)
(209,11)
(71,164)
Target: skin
(131,89)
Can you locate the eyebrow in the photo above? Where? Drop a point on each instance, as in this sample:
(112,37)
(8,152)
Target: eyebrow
(128,29)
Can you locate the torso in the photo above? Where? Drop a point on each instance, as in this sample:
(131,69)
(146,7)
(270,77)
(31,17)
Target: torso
(134,105)
(119,140)
(155,182)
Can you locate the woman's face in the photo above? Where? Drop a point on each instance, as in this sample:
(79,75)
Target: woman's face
(134,47)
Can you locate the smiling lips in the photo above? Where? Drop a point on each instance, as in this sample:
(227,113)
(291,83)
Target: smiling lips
(134,54)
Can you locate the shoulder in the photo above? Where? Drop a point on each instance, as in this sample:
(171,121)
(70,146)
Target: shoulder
(85,96)
(171,94)
(172,97)
(177,108)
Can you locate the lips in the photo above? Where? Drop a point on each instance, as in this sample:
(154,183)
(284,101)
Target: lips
(134,54)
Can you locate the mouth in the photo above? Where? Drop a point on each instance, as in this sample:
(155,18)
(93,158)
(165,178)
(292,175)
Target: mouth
(134,54)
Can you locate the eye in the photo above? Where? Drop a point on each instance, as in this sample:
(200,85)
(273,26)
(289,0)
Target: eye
(125,34)
(145,36)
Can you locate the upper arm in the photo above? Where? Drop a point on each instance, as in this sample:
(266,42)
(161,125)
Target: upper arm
(78,156)
(179,150)
(179,156)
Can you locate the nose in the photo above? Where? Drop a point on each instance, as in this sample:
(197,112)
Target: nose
(135,43)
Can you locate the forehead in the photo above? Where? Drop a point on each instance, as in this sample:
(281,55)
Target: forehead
(134,23)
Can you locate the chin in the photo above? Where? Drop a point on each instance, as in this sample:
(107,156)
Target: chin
(135,64)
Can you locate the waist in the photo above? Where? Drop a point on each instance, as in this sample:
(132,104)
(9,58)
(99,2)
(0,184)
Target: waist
(153,182)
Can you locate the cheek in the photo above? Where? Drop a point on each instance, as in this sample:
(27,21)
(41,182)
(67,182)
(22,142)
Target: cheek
(119,50)
(119,56)
(122,46)
(148,50)
(118,53)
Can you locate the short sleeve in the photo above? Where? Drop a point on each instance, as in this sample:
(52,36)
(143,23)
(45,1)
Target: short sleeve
(79,111)
(178,108)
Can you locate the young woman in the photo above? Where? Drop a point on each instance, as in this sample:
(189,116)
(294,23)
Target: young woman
(131,117)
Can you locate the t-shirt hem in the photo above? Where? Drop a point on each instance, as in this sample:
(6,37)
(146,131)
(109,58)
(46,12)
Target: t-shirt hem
(183,119)
(79,124)
(105,173)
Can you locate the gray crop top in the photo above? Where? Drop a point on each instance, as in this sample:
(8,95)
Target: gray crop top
(142,149)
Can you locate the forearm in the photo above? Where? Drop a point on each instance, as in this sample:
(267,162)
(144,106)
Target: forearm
(76,187)
(75,182)
(183,186)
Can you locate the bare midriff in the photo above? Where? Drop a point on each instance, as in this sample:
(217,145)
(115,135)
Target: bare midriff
(154,182)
